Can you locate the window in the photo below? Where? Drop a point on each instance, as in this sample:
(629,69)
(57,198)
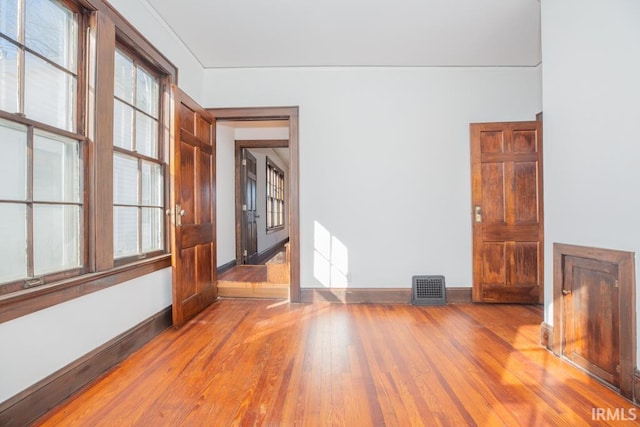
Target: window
(39,61)
(138,194)
(64,133)
(41,197)
(275,197)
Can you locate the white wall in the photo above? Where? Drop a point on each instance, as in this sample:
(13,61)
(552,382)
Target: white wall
(591,82)
(146,20)
(262,133)
(225,186)
(36,345)
(225,194)
(384,161)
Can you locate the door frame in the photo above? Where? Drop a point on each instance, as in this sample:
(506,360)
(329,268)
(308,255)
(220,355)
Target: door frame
(293,199)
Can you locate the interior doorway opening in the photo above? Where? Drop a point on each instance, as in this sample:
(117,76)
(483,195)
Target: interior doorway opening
(266,130)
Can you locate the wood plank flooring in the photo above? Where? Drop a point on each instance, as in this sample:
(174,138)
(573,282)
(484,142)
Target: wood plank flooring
(252,281)
(245,273)
(247,362)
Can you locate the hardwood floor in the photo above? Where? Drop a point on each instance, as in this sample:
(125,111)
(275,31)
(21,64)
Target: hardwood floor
(269,280)
(245,362)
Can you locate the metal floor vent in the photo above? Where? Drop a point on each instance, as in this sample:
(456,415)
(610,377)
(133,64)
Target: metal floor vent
(428,290)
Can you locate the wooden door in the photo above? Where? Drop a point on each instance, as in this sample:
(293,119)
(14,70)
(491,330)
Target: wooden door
(193,200)
(592,317)
(506,173)
(249,208)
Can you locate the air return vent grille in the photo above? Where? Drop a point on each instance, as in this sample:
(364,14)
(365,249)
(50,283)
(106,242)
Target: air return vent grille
(428,290)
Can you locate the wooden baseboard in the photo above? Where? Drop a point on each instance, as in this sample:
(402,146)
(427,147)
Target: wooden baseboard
(225,267)
(357,296)
(32,403)
(376,295)
(636,386)
(269,252)
(459,296)
(546,335)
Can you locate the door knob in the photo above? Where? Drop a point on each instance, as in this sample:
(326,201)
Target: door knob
(566,292)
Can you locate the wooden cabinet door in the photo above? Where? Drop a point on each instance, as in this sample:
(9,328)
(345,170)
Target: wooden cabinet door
(193,218)
(506,174)
(591,316)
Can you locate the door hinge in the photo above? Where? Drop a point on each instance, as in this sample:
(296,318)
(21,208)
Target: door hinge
(616,284)
(618,368)
(244,208)
(244,162)
(244,254)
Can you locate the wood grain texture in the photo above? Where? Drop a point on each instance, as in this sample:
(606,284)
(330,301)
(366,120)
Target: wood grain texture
(193,234)
(507,206)
(607,261)
(344,365)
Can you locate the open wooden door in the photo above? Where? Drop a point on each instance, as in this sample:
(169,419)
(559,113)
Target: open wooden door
(506,174)
(193,238)
(249,208)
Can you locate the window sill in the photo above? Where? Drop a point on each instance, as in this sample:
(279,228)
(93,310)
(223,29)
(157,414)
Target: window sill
(31,300)
(274,230)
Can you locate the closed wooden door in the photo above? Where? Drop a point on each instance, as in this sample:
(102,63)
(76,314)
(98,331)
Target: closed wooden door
(249,208)
(506,173)
(591,316)
(193,216)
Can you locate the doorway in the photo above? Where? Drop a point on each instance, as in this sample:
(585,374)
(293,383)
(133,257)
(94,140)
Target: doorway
(290,115)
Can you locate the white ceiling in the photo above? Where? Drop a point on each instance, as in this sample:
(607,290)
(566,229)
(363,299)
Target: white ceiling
(295,33)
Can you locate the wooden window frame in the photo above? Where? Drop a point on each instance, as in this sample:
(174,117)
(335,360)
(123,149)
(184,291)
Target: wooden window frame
(162,160)
(96,55)
(77,134)
(280,188)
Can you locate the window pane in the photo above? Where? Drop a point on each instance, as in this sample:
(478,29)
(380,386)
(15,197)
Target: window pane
(56,238)
(9,18)
(50,94)
(147,91)
(125,180)
(125,231)
(13,162)
(51,30)
(124,77)
(146,135)
(152,187)
(56,170)
(8,76)
(152,230)
(123,125)
(13,235)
